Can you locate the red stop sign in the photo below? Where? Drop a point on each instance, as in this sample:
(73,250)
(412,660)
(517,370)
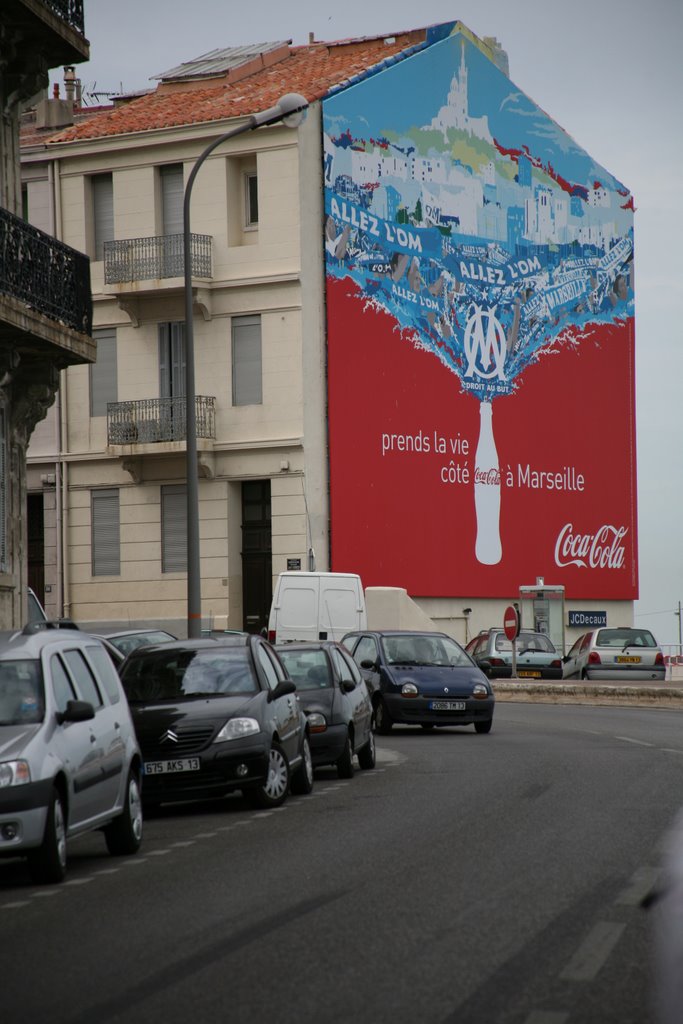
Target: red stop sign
(511,622)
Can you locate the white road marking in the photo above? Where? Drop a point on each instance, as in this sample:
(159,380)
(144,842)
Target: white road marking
(45,892)
(642,882)
(17,905)
(593,952)
(629,739)
(79,881)
(158,853)
(184,842)
(671,750)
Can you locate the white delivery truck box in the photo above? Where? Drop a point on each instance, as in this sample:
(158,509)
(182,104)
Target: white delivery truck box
(316,606)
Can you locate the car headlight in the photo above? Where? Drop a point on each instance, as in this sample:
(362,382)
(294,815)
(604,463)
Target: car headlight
(409,690)
(14,773)
(480,691)
(316,721)
(236,728)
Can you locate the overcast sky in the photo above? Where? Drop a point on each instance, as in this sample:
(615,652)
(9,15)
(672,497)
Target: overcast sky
(610,72)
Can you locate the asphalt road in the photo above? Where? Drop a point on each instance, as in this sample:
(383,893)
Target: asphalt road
(467,880)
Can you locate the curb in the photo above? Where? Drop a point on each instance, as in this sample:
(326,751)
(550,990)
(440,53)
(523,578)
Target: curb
(524,692)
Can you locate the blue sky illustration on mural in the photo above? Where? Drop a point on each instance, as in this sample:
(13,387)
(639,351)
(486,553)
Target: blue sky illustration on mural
(608,73)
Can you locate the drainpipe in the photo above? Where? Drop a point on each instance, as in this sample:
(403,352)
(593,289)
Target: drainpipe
(62,475)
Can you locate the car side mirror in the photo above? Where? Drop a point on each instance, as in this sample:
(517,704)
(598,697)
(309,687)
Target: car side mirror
(367,663)
(282,689)
(76,711)
(347,685)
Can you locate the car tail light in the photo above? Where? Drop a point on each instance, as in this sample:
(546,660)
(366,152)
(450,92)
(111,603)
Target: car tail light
(556,663)
(594,658)
(497,662)
(659,659)
(272,636)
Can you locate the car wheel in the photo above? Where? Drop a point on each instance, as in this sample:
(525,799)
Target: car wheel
(484,726)
(584,674)
(345,762)
(273,790)
(302,779)
(367,755)
(124,834)
(383,722)
(47,864)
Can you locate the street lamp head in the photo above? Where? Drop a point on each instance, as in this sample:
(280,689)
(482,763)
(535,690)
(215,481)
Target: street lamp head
(290,109)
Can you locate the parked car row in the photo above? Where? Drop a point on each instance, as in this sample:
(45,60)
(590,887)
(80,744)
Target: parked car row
(607,653)
(84,746)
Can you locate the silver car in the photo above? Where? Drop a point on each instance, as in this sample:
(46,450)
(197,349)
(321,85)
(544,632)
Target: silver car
(69,759)
(620,652)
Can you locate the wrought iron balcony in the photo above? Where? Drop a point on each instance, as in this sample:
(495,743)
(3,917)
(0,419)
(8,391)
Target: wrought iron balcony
(71,11)
(154,420)
(159,256)
(45,274)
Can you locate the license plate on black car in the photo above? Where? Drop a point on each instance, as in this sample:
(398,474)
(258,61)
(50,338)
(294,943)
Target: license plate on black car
(183,764)
(447,705)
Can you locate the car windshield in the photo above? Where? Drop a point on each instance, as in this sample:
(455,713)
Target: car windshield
(21,693)
(310,670)
(187,674)
(423,649)
(126,644)
(526,642)
(625,638)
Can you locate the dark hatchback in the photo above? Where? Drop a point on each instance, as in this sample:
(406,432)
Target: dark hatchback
(215,716)
(336,701)
(421,678)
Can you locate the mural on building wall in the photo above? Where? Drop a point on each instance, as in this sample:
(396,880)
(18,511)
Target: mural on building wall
(480,326)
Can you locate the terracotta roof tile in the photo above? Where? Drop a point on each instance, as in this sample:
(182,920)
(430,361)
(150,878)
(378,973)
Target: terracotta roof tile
(311,70)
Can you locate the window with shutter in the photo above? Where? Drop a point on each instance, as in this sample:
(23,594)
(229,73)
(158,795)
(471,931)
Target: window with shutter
(106,533)
(246,361)
(103,373)
(172,193)
(174,528)
(102,187)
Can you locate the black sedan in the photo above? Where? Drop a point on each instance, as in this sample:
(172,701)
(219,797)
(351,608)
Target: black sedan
(336,702)
(215,716)
(421,678)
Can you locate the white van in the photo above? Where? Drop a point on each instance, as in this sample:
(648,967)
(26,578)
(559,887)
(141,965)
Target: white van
(316,606)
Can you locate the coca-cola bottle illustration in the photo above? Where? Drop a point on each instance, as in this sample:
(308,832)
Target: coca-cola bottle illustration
(487,490)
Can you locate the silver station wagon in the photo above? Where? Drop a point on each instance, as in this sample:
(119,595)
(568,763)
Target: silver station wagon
(69,759)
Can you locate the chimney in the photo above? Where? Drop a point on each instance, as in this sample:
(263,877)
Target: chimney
(70,83)
(311,38)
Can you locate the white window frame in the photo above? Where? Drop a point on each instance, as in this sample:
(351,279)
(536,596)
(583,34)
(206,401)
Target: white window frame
(250,182)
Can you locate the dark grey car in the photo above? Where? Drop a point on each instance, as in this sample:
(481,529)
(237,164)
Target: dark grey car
(336,701)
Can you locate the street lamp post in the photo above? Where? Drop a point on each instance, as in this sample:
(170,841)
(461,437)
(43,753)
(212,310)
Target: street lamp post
(291,110)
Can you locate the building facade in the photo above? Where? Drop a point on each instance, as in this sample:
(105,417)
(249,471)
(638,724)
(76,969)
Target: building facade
(360,296)
(45,299)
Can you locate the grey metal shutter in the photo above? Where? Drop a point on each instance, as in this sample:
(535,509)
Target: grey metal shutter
(247,386)
(106,533)
(172,193)
(103,373)
(174,528)
(103,211)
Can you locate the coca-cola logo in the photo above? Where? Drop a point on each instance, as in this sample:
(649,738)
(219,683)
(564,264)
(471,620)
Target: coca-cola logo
(600,550)
(487,476)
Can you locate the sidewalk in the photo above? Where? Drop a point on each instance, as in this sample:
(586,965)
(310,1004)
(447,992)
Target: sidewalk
(621,693)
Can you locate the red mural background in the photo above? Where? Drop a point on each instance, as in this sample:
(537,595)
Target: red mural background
(407,518)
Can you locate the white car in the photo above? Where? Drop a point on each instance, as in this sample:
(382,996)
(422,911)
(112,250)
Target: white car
(622,652)
(69,758)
